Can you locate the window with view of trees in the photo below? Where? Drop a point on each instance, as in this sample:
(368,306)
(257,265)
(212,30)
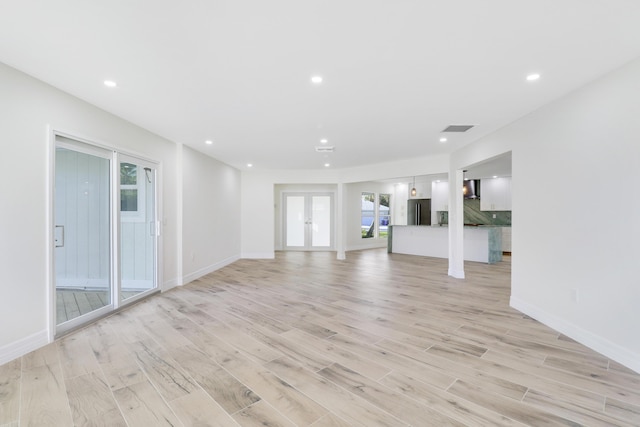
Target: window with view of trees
(384,215)
(368,215)
(375,209)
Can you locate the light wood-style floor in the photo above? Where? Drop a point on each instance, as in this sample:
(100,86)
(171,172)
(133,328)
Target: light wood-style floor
(306,340)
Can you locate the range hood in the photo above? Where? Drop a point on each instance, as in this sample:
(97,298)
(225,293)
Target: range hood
(471,189)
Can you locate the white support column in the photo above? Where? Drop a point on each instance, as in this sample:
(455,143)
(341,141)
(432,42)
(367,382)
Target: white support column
(180,207)
(456,224)
(340,229)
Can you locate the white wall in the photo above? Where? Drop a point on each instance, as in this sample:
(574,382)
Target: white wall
(575,229)
(28,110)
(210,207)
(257,231)
(588,145)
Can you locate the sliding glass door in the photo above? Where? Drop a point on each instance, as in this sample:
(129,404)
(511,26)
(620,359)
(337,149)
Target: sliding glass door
(82,235)
(105,241)
(137,227)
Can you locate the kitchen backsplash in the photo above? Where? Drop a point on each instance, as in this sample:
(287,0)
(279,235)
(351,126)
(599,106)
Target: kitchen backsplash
(473,215)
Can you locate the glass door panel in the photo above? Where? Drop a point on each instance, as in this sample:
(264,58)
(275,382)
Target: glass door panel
(308,223)
(137,227)
(295,221)
(82,260)
(321,221)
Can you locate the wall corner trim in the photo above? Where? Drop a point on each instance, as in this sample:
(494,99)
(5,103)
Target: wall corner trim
(23,346)
(209,269)
(170,284)
(595,342)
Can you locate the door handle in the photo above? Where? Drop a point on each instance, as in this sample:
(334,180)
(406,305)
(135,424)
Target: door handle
(59,238)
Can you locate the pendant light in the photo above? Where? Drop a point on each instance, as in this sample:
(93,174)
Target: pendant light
(413,190)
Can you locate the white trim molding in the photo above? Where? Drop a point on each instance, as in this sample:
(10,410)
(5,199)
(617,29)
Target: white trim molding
(456,274)
(369,244)
(258,255)
(209,269)
(170,284)
(23,346)
(595,342)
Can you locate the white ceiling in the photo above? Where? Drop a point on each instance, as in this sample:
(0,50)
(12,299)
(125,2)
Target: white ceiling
(395,72)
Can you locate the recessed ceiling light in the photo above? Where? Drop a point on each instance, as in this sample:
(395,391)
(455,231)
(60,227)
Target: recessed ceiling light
(316,79)
(324,141)
(249,165)
(326,165)
(208,142)
(533,77)
(443,139)
(110,83)
(495,176)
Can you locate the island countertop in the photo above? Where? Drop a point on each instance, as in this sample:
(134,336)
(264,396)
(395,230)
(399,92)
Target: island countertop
(481,243)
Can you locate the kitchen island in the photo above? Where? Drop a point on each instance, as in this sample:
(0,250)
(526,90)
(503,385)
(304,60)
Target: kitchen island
(481,244)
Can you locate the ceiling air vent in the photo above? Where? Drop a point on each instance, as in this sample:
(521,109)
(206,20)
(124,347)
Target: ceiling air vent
(324,149)
(457,128)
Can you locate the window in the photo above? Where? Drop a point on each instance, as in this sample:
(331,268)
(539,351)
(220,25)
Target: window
(128,187)
(367,222)
(384,215)
(134,181)
(375,209)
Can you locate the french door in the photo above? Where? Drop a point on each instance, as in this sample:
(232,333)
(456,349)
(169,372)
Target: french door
(105,231)
(308,221)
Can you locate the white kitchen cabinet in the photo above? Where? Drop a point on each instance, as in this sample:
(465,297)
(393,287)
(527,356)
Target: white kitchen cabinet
(423,190)
(495,194)
(440,196)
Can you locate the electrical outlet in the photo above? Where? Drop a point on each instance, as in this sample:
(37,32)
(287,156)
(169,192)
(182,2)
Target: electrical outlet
(494,216)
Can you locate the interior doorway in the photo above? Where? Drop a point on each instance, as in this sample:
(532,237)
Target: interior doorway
(308,221)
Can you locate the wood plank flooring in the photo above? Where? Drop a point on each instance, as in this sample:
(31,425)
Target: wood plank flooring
(306,340)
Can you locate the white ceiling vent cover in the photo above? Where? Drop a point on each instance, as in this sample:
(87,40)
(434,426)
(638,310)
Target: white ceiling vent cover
(457,128)
(324,149)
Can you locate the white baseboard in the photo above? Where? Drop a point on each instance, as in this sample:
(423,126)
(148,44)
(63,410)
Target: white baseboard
(170,284)
(23,346)
(595,342)
(456,274)
(209,269)
(258,255)
(375,244)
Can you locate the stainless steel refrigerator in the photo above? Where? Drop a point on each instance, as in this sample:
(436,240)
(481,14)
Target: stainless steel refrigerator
(419,212)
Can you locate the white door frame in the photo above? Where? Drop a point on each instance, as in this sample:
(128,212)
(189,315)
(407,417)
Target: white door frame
(308,197)
(92,147)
